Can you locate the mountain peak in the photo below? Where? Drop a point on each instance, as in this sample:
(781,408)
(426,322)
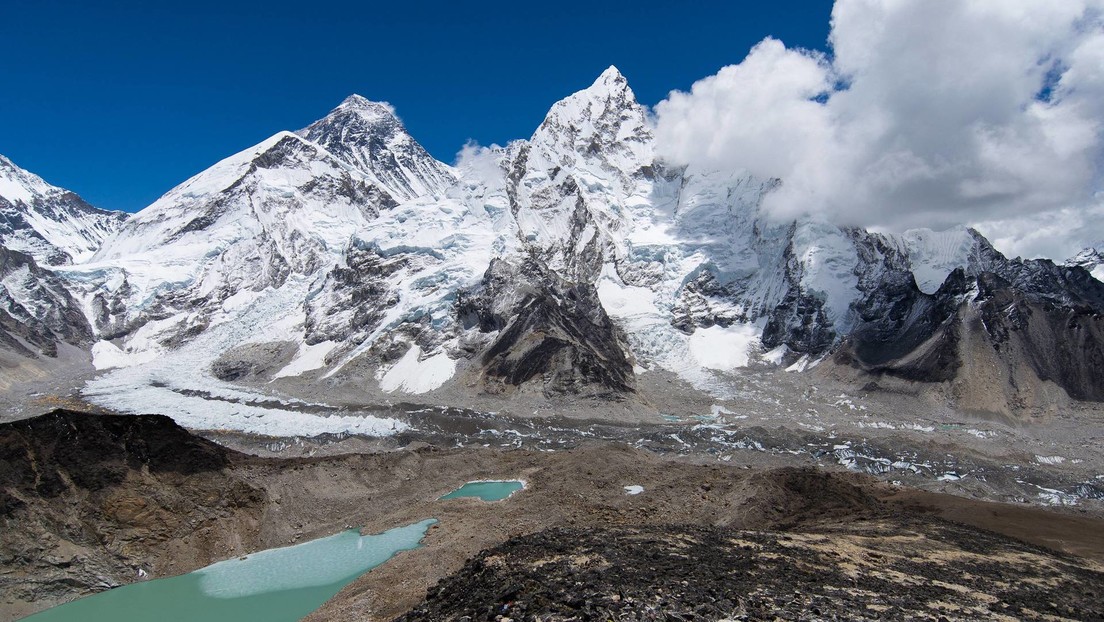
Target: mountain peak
(19,185)
(368,136)
(611,85)
(612,75)
(604,117)
(362,105)
(53,225)
(1089,258)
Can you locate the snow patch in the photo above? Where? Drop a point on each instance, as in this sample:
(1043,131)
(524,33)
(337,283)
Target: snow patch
(14,191)
(621,300)
(775,356)
(412,374)
(106,355)
(800,364)
(724,348)
(308,358)
(633,489)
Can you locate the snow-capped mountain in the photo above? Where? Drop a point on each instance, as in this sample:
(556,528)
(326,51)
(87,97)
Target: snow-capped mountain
(284,207)
(574,261)
(1091,259)
(369,137)
(51,224)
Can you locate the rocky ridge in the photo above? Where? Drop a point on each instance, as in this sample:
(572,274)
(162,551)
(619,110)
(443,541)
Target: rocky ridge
(51,224)
(916,569)
(88,501)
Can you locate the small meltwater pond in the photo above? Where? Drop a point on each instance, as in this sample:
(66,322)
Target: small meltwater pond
(487,490)
(276,585)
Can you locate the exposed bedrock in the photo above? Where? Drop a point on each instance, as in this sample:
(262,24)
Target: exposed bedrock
(550,334)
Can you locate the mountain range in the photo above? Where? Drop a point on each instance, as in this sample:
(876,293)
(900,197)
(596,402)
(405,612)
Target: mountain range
(576,262)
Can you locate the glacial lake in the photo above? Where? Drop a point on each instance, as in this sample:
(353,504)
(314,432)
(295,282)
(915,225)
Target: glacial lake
(275,585)
(487,491)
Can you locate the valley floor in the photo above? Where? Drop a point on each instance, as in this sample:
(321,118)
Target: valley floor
(1048,456)
(802,454)
(153,498)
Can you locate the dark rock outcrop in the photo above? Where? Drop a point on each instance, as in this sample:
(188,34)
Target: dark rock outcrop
(65,451)
(550,332)
(36,310)
(1029,314)
(86,500)
(917,569)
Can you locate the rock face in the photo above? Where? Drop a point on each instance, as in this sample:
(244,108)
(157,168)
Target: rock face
(67,451)
(1030,321)
(551,334)
(569,262)
(36,310)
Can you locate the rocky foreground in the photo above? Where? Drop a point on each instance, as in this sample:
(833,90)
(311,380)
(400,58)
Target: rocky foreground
(92,501)
(899,568)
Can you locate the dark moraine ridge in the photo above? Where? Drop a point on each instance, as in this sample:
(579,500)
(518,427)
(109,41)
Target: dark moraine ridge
(87,500)
(919,568)
(67,451)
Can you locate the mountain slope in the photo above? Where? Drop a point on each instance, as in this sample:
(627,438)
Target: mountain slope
(284,206)
(51,224)
(1004,334)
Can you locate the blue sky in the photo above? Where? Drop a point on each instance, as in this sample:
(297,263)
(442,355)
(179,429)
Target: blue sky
(120,101)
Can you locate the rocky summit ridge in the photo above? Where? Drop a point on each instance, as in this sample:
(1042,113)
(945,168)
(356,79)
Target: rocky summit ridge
(572,262)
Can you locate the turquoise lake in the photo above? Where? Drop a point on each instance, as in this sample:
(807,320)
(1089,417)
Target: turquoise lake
(276,585)
(487,491)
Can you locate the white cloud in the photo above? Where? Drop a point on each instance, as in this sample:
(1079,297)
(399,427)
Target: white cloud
(477,161)
(928,113)
(1057,233)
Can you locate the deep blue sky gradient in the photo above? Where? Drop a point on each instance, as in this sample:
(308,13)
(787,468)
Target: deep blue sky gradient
(120,101)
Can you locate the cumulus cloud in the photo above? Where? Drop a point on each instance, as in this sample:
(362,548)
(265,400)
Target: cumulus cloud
(926,113)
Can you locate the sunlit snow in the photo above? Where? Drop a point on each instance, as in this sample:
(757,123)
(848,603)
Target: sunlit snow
(413,375)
